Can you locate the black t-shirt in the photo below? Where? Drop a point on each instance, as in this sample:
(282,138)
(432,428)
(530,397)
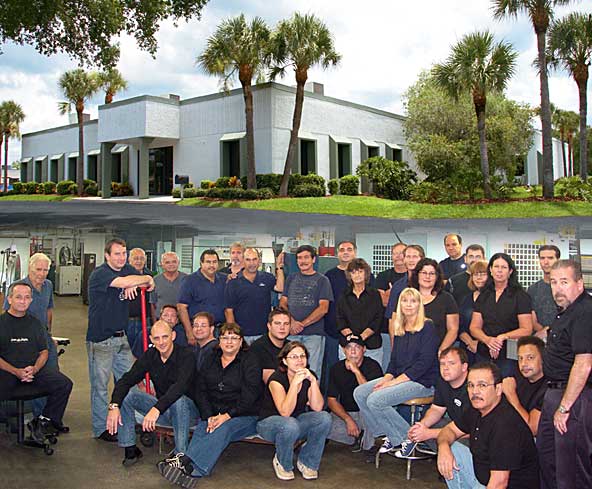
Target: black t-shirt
(501,316)
(458,286)
(451,267)
(265,352)
(569,335)
(530,395)
(437,310)
(455,400)
(342,381)
(21,339)
(386,278)
(360,313)
(268,407)
(502,441)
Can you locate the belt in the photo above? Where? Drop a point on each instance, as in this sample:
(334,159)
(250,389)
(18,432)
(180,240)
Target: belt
(118,334)
(135,317)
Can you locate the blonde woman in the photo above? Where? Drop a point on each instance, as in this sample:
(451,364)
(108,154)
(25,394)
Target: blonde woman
(411,373)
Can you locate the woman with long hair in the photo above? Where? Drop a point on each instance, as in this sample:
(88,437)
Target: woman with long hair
(411,373)
(502,311)
(292,410)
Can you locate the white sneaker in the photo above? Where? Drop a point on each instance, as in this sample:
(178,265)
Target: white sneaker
(307,473)
(281,473)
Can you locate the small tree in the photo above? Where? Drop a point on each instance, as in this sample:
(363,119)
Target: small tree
(11,116)
(111,81)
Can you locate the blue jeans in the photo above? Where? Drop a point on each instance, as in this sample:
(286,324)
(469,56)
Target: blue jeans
(38,404)
(181,415)
(284,431)
(375,354)
(386,351)
(205,448)
(105,357)
(465,477)
(379,408)
(135,336)
(315,344)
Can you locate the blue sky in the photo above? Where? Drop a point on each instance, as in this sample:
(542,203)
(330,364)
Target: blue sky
(385,45)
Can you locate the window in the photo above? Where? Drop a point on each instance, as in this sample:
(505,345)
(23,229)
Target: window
(308,156)
(525,256)
(92,167)
(231,158)
(72,168)
(343,159)
(381,258)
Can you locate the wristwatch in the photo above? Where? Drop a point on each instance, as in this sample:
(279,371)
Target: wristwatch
(562,409)
(113,406)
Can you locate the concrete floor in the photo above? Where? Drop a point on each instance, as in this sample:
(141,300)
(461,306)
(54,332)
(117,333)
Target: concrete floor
(82,462)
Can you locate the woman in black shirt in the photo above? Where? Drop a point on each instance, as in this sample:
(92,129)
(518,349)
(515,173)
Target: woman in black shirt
(229,386)
(292,410)
(503,311)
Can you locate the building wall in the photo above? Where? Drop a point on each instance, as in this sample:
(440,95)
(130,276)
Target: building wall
(532,175)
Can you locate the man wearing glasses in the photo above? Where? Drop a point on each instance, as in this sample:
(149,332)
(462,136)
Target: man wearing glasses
(501,443)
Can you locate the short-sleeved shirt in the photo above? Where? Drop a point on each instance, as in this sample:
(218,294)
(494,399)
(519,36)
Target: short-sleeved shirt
(386,278)
(250,301)
(530,394)
(304,293)
(108,310)
(265,352)
(203,353)
(502,440)
(437,310)
(21,339)
(501,316)
(570,334)
(42,300)
(342,381)
(451,267)
(455,400)
(543,302)
(268,407)
(458,286)
(165,291)
(200,294)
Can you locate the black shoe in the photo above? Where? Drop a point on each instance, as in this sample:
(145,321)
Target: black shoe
(106,436)
(357,445)
(41,429)
(132,455)
(177,470)
(60,427)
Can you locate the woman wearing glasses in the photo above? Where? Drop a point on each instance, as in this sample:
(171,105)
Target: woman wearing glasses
(229,386)
(411,373)
(439,305)
(292,410)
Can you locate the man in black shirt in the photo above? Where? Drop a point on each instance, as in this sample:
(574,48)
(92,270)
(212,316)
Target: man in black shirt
(565,430)
(455,262)
(265,350)
(502,447)
(171,370)
(356,369)
(23,357)
(450,398)
(526,389)
(203,332)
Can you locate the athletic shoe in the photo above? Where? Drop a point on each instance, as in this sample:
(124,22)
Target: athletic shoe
(40,428)
(307,473)
(406,450)
(281,473)
(425,449)
(132,455)
(177,470)
(387,446)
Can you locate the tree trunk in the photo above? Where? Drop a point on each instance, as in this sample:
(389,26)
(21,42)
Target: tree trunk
(562,137)
(80,159)
(483,151)
(301,76)
(582,82)
(548,191)
(570,156)
(251,169)
(5,190)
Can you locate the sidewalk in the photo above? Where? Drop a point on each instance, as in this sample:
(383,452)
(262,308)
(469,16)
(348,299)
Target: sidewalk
(157,199)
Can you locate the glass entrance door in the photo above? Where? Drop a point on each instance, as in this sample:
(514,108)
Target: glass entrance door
(160,171)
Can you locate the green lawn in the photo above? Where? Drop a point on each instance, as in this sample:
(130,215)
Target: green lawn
(391,209)
(37,198)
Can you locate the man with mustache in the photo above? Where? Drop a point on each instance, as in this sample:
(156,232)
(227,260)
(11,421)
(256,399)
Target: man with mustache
(502,448)
(564,438)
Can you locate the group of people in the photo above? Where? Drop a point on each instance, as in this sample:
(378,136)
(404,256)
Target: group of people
(338,356)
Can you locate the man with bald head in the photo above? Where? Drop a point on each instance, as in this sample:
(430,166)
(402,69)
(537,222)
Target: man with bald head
(171,368)
(167,284)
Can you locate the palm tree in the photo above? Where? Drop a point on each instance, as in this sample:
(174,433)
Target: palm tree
(570,47)
(78,86)
(300,43)
(540,13)
(11,116)
(571,122)
(558,124)
(111,82)
(477,65)
(241,49)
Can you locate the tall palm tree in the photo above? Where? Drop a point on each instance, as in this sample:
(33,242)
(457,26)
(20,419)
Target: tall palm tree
(111,82)
(78,86)
(477,65)
(238,48)
(300,43)
(570,47)
(11,116)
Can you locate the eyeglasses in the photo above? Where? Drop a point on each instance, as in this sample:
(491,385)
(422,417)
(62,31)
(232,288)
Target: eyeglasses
(480,274)
(230,338)
(427,274)
(297,357)
(479,386)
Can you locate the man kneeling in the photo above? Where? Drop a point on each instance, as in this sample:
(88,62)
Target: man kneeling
(171,369)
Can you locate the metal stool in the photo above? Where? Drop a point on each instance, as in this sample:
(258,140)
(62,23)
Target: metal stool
(414,403)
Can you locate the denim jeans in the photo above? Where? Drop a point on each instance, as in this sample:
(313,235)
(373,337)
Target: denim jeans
(375,354)
(38,404)
(284,431)
(181,415)
(315,344)
(205,448)
(386,350)
(112,355)
(331,358)
(465,477)
(339,434)
(379,408)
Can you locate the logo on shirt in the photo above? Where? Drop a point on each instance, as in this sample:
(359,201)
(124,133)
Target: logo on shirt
(19,340)
(261,284)
(458,402)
